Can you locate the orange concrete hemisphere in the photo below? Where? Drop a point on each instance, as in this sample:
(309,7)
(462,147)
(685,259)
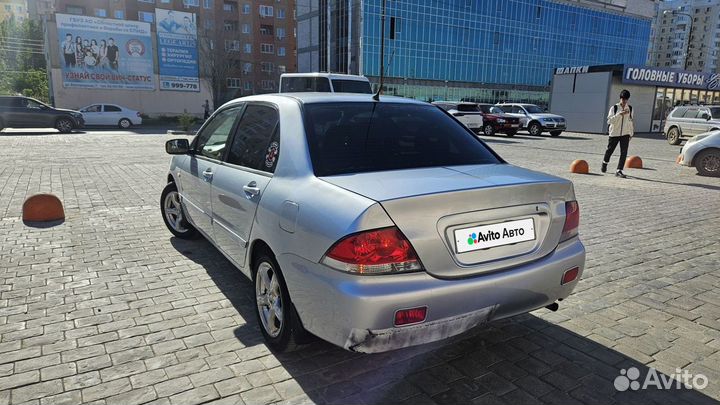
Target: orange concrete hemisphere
(43,208)
(633,162)
(679,159)
(579,166)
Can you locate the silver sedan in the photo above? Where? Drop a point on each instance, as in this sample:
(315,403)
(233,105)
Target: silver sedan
(703,152)
(374,225)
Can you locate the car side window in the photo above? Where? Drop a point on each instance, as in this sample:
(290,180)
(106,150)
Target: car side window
(679,112)
(32,104)
(211,142)
(93,108)
(112,108)
(467,108)
(691,113)
(257,139)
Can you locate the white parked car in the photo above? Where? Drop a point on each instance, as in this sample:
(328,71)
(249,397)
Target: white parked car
(703,152)
(110,114)
(324,83)
(467,113)
(534,119)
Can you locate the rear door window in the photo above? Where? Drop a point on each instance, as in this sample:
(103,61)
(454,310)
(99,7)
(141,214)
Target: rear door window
(365,137)
(112,108)
(691,113)
(256,144)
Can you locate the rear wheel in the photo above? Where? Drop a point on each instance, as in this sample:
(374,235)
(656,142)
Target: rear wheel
(64,125)
(707,162)
(488,130)
(555,133)
(124,123)
(173,214)
(535,129)
(279,322)
(673,136)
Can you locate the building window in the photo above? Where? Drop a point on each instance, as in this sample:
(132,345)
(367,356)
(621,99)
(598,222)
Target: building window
(281,51)
(266,29)
(281,69)
(280,33)
(248,85)
(245,28)
(247,68)
(8,8)
(281,13)
(234,82)
(191,3)
(119,14)
(207,4)
(267,48)
(248,48)
(75,10)
(145,16)
(208,24)
(266,11)
(267,66)
(147,1)
(100,12)
(232,45)
(246,9)
(165,1)
(267,84)
(230,6)
(230,25)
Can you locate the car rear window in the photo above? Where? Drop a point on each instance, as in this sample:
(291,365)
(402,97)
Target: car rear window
(365,137)
(467,107)
(351,86)
(305,84)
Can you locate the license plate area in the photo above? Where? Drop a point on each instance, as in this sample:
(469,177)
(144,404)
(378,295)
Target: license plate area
(494,235)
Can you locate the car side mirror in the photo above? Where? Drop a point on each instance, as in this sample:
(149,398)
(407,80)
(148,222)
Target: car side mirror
(706,116)
(177,146)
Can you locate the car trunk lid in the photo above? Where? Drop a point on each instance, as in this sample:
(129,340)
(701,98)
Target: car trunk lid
(436,207)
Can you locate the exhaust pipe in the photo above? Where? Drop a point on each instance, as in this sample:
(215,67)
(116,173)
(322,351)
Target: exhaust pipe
(553,307)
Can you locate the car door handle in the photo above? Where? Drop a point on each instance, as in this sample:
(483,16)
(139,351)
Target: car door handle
(207,175)
(251,189)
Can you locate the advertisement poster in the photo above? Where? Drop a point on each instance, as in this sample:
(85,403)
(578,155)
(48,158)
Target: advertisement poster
(102,53)
(177,50)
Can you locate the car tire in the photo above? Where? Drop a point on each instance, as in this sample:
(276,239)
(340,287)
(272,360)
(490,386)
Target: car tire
(284,333)
(64,125)
(707,162)
(673,136)
(488,130)
(555,133)
(2,124)
(173,214)
(124,123)
(535,129)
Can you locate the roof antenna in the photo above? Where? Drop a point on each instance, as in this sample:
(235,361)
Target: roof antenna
(376,96)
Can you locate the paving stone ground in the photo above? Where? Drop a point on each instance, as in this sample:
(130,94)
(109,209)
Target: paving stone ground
(108,308)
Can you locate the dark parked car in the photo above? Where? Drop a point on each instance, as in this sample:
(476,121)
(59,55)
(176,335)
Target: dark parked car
(25,112)
(495,120)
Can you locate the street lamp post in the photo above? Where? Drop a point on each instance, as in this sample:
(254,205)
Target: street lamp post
(687,47)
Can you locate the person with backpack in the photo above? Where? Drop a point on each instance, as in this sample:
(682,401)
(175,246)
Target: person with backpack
(621,129)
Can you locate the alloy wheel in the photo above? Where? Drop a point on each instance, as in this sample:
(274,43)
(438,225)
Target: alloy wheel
(711,163)
(64,125)
(269,299)
(173,211)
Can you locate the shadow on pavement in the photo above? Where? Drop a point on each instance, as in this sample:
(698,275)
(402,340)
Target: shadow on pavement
(697,185)
(521,360)
(35,132)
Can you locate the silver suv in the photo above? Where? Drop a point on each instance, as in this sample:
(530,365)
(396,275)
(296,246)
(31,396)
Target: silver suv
(688,121)
(534,119)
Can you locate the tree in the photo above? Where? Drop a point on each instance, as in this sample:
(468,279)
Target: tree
(22,59)
(218,59)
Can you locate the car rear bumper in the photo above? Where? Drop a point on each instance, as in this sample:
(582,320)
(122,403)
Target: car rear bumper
(357,312)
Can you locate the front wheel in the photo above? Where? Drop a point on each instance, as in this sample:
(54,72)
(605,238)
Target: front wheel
(673,136)
(535,129)
(124,123)
(64,125)
(707,162)
(488,130)
(279,322)
(555,133)
(173,214)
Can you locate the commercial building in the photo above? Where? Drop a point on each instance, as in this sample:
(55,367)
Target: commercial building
(686,35)
(17,9)
(492,50)
(584,94)
(177,53)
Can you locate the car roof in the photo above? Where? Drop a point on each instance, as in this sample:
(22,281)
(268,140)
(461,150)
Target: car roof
(329,75)
(312,97)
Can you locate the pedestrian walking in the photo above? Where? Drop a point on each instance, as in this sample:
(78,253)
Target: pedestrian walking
(621,129)
(206,108)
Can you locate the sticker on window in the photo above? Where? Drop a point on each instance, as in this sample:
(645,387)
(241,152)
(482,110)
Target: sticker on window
(271,155)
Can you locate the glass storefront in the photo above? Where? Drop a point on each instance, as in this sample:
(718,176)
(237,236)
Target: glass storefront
(667,98)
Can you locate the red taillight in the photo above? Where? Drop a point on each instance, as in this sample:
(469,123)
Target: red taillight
(570,275)
(572,220)
(371,252)
(410,316)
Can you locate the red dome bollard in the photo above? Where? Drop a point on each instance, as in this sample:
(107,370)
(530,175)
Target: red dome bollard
(43,208)
(579,166)
(633,162)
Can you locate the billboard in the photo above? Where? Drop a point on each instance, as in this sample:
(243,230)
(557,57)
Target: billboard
(655,76)
(102,53)
(177,50)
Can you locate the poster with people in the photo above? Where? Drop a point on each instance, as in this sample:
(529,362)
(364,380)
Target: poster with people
(177,50)
(103,53)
